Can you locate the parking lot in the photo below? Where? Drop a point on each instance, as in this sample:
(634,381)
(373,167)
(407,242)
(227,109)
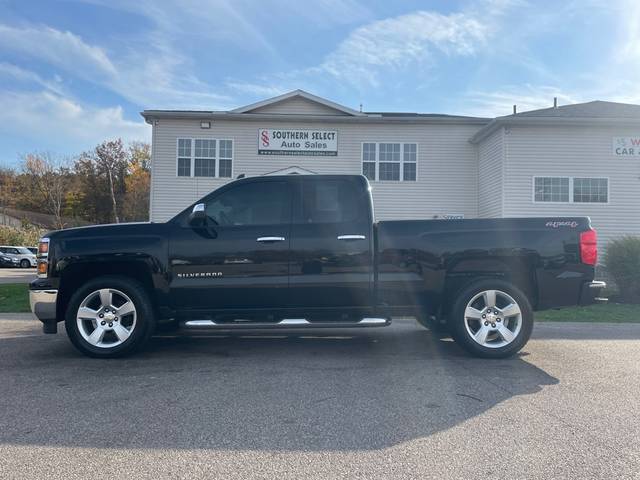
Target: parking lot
(17,275)
(395,402)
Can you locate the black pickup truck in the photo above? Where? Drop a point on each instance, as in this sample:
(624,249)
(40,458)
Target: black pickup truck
(303,251)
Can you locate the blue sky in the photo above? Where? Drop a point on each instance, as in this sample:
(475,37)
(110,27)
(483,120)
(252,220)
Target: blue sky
(75,72)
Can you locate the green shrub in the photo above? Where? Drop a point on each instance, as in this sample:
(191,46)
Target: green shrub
(622,261)
(26,236)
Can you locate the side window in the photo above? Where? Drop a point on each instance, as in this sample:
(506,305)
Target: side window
(332,201)
(260,203)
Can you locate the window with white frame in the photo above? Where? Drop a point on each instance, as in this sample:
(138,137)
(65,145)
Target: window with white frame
(389,161)
(369,160)
(204,157)
(590,190)
(184,157)
(570,190)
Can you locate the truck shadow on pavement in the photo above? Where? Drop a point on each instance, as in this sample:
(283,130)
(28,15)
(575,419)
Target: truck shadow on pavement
(294,391)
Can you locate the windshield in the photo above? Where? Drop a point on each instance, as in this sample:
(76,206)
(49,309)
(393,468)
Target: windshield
(24,251)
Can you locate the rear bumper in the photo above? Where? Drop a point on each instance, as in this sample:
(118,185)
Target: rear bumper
(592,293)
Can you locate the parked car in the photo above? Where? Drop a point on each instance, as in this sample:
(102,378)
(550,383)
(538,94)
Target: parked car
(33,250)
(304,252)
(24,256)
(6,261)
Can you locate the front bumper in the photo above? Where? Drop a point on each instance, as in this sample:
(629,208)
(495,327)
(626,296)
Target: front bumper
(43,306)
(591,293)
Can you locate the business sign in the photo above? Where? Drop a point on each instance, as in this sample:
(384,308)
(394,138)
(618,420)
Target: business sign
(626,146)
(272,141)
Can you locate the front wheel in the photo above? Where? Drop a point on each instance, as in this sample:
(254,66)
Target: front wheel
(109,317)
(25,263)
(491,319)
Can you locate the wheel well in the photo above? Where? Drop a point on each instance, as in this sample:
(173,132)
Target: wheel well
(76,275)
(454,284)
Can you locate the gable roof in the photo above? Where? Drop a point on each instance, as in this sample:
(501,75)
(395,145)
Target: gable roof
(593,112)
(292,170)
(301,94)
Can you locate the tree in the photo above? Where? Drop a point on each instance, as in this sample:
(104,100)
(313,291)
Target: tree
(111,161)
(138,182)
(93,188)
(48,178)
(7,189)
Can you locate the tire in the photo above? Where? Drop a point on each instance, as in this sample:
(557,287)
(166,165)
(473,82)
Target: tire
(506,325)
(24,263)
(99,332)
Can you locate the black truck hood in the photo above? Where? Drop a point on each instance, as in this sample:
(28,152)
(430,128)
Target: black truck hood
(111,229)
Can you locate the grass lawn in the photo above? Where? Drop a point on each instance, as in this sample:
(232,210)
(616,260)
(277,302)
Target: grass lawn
(607,313)
(14,298)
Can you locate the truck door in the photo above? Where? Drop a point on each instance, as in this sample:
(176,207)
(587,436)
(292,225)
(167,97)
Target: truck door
(238,257)
(332,244)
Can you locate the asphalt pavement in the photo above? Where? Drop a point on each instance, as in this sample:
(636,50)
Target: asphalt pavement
(17,275)
(394,402)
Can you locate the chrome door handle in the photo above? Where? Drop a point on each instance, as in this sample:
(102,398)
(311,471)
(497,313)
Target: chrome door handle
(351,237)
(270,239)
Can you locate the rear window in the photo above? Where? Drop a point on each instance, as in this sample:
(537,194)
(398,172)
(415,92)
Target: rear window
(333,201)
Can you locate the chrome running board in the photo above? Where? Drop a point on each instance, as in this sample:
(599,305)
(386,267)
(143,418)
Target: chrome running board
(284,324)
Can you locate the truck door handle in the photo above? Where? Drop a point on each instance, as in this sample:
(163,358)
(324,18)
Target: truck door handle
(351,237)
(270,239)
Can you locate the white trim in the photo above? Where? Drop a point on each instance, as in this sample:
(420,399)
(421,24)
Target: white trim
(377,161)
(571,191)
(293,169)
(192,156)
(302,94)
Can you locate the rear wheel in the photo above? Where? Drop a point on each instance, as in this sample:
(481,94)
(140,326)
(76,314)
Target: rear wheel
(491,319)
(109,317)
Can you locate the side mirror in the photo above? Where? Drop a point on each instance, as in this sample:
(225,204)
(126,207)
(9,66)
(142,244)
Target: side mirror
(197,215)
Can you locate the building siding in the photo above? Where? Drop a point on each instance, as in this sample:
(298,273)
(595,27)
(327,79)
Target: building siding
(447,164)
(490,175)
(297,106)
(573,152)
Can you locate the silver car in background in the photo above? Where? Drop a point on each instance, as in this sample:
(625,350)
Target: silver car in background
(25,258)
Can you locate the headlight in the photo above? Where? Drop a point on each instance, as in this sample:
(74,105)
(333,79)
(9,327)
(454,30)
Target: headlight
(43,257)
(43,246)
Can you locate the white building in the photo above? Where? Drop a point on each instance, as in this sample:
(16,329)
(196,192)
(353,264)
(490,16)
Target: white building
(581,159)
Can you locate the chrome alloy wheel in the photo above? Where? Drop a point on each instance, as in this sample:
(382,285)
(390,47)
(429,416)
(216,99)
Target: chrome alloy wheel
(106,318)
(493,319)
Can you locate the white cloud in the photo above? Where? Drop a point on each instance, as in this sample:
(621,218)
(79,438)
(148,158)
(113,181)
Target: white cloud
(156,75)
(61,123)
(501,101)
(61,49)
(256,89)
(28,77)
(402,41)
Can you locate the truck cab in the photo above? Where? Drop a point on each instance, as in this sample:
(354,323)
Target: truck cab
(289,245)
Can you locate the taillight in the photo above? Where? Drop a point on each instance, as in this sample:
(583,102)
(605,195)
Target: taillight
(589,247)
